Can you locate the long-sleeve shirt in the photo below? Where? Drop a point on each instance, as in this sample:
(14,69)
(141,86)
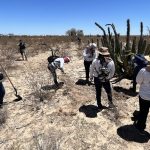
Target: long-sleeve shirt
(58,63)
(143,78)
(88,56)
(96,66)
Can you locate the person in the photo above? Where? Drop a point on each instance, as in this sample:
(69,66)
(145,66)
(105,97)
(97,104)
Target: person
(89,55)
(143,79)
(22,49)
(139,62)
(58,63)
(103,69)
(2,89)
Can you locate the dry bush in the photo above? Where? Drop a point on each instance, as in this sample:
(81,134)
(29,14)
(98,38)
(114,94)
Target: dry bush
(48,141)
(7,57)
(36,82)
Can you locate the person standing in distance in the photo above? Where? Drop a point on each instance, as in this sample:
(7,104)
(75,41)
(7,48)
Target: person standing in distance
(89,55)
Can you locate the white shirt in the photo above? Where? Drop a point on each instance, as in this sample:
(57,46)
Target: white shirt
(96,67)
(58,63)
(143,78)
(88,55)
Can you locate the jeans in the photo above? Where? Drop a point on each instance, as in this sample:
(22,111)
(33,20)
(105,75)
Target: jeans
(98,87)
(53,72)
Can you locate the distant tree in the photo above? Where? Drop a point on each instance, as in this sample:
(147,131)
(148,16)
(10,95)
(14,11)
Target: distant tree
(80,33)
(73,32)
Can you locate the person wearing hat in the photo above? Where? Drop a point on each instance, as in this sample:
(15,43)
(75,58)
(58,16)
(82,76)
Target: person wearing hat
(89,54)
(2,89)
(102,69)
(58,63)
(143,79)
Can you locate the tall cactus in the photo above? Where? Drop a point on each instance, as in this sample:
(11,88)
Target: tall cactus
(110,35)
(105,40)
(140,51)
(128,36)
(98,45)
(117,42)
(117,49)
(134,45)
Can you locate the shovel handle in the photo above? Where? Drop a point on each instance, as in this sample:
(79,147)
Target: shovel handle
(9,79)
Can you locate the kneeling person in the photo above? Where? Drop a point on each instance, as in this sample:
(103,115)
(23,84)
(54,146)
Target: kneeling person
(58,63)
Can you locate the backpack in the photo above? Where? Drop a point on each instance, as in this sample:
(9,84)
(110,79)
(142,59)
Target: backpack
(103,73)
(22,46)
(50,59)
(140,61)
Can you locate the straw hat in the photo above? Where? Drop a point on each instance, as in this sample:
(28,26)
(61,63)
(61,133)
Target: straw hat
(103,51)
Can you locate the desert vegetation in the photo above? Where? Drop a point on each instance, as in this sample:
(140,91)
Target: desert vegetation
(65,118)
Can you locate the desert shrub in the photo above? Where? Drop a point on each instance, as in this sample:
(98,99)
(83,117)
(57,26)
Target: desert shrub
(50,140)
(36,81)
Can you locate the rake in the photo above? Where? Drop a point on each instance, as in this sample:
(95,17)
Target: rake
(16,93)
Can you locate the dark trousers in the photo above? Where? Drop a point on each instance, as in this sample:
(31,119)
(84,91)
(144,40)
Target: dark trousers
(53,72)
(144,110)
(87,68)
(23,54)
(98,87)
(2,93)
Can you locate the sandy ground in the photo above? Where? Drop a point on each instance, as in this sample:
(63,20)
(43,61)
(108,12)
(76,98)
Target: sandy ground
(66,118)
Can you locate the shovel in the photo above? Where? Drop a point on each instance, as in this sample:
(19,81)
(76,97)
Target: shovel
(16,94)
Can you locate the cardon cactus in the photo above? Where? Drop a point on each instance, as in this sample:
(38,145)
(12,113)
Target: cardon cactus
(140,43)
(123,58)
(105,40)
(134,45)
(128,36)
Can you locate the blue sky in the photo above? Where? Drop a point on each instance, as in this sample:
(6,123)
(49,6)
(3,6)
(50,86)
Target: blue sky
(55,17)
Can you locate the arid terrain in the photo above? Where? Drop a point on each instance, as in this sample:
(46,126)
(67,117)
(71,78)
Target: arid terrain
(65,118)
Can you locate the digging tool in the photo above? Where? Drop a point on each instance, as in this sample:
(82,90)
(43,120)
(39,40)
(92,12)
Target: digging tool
(16,94)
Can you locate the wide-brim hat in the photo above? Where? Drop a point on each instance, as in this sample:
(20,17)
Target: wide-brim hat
(103,51)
